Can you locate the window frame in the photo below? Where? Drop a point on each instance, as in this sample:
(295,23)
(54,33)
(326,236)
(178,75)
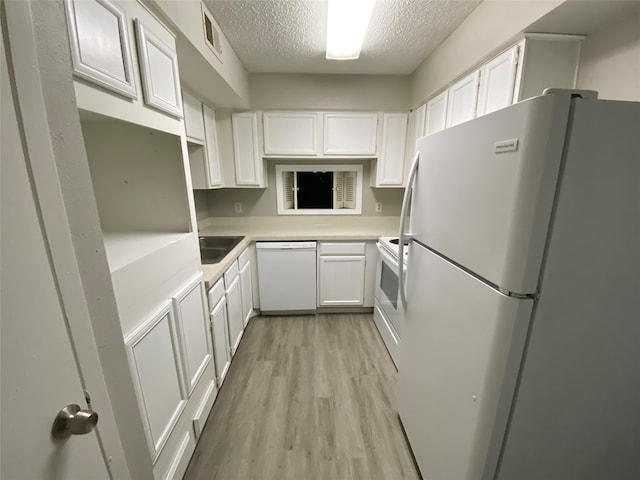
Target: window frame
(324,168)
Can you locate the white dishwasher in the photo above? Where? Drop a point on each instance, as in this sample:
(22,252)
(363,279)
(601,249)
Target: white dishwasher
(287,277)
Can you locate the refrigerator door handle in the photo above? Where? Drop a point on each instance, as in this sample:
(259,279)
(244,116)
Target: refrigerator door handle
(405,236)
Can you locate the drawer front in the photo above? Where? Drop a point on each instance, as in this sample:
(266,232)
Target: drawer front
(342,248)
(215,294)
(231,274)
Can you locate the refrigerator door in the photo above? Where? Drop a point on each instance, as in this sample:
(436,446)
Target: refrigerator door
(578,415)
(459,359)
(485,189)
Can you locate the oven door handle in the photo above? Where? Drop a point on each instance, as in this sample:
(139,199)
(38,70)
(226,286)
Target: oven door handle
(405,236)
(387,258)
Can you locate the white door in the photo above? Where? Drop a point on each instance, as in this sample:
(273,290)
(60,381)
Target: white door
(249,170)
(390,169)
(461,346)
(211,144)
(497,82)
(463,96)
(485,188)
(49,356)
(436,113)
(341,280)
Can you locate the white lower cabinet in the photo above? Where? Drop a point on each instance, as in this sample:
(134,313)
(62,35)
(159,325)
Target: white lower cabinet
(245,286)
(172,365)
(341,274)
(234,306)
(220,335)
(192,325)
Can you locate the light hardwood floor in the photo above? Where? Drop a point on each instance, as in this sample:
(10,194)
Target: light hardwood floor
(307,397)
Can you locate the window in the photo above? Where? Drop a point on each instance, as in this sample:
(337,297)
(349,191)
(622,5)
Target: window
(319,189)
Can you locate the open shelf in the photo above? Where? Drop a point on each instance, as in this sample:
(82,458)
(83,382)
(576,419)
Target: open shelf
(124,248)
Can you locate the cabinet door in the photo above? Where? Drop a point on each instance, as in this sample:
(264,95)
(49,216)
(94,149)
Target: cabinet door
(193,122)
(234,314)
(419,124)
(220,335)
(249,170)
(157,377)
(341,280)
(159,72)
(247,293)
(214,171)
(390,167)
(497,82)
(462,100)
(436,114)
(191,321)
(287,133)
(100,49)
(350,133)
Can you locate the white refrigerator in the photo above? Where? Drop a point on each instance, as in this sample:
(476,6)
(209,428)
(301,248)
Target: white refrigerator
(520,356)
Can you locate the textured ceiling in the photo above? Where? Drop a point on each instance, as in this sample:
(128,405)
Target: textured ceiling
(288,36)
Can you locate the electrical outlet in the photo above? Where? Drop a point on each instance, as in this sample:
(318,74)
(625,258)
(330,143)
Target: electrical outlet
(237,207)
(378,206)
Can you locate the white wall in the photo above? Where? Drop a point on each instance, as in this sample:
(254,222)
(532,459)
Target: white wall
(610,61)
(493,24)
(329,92)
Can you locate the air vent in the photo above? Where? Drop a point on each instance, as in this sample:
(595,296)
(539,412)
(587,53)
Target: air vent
(211,33)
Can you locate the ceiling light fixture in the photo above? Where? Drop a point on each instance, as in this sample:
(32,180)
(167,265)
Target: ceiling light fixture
(347,22)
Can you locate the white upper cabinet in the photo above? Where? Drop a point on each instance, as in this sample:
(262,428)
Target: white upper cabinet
(350,133)
(497,82)
(463,97)
(100,48)
(436,114)
(290,133)
(390,165)
(248,163)
(193,120)
(147,84)
(214,172)
(159,72)
(419,125)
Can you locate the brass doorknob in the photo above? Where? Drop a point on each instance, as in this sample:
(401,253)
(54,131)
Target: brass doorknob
(71,420)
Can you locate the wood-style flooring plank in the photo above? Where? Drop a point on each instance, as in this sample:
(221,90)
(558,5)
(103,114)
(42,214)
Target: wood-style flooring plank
(306,398)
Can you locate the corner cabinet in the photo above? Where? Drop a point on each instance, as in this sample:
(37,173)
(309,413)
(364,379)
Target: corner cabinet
(391,156)
(248,162)
(202,139)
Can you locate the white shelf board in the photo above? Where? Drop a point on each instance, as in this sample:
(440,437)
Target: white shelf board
(124,248)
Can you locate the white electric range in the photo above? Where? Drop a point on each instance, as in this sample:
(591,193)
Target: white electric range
(388,314)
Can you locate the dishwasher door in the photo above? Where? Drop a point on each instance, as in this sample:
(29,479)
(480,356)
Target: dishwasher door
(287,277)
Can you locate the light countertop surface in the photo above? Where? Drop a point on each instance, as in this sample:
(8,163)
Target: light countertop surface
(334,228)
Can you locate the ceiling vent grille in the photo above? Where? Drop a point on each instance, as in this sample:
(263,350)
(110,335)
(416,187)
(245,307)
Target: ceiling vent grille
(211,33)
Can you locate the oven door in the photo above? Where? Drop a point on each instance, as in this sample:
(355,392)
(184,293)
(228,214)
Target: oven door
(388,290)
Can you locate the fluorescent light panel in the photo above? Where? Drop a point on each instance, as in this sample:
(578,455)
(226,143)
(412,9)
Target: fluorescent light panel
(347,23)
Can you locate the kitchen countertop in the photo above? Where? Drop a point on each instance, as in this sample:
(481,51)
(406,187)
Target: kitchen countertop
(334,228)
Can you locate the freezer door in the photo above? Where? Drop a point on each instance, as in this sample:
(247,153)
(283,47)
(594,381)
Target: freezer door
(485,188)
(459,357)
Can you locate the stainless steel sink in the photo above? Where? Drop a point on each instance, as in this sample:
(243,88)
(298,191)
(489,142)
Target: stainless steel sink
(214,249)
